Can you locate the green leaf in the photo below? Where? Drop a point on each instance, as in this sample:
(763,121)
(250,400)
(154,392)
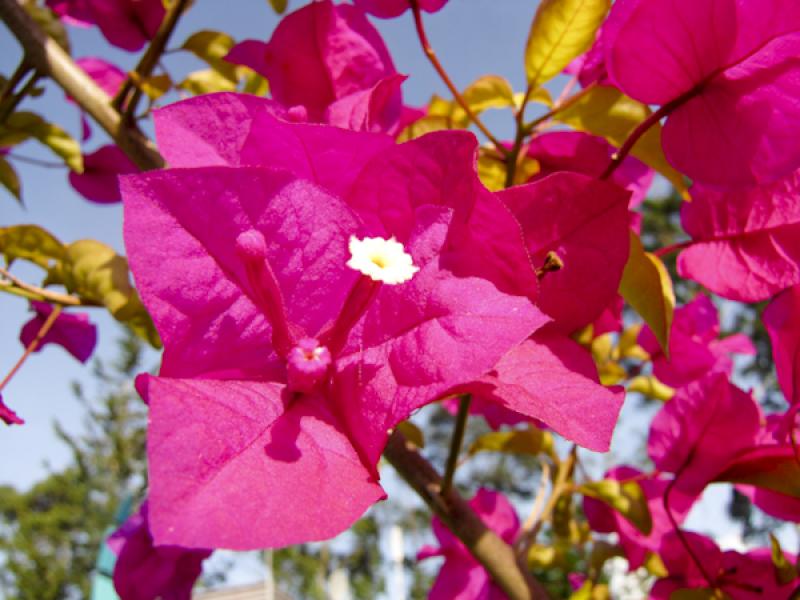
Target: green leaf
(489,91)
(206,82)
(651,387)
(561,30)
(647,287)
(23,125)
(212,46)
(32,243)
(607,112)
(96,273)
(519,441)
(47,20)
(768,468)
(156,86)
(627,498)
(698,594)
(412,433)
(254,83)
(785,571)
(10,180)
(279,6)
(424,125)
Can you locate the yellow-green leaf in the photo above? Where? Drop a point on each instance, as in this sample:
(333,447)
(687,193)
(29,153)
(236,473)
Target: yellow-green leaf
(9,179)
(785,571)
(156,86)
(422,126)
(561,30)
(520,441)
(279,6)
(601,552)
(628,346)
(412,433)
(627,498)
(607,112)
(49,22)
(211,46)
(32,243)
(651,387)
(655,566)
(96,273)
(698,594)
(647,287)
(22,125)
(253,82)
(489,91)
(206,82)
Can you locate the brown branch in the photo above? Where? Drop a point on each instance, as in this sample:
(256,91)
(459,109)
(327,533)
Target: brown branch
(493,553)
(48,58)
(455,443)
(131,86)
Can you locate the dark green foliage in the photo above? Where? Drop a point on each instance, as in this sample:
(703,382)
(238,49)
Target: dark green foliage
(51,533)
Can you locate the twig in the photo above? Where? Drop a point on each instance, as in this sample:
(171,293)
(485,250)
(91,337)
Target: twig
(12,102)
(488,548)
(148,62)
(51,319)
(38,293)
(455,443)
(538,502)
(560,485)
(434,60)
(36,161)
(559,105)
(47,57)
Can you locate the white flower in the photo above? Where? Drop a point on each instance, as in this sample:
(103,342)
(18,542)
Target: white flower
(381,259)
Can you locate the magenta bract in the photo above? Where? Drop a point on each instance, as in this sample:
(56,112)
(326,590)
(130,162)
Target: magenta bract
(694,350)
(255,265)
(386,9)
(782,319)
(8,416)
(745,242)
(732,87)
(99,181)
(684,435)
(461,577)
(331,61)
(144,571)
(71,331)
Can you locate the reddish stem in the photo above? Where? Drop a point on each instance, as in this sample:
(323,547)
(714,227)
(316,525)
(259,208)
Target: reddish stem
(46,326)
(428,49)
(672,248)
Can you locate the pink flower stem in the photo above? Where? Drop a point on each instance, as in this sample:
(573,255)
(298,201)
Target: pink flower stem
(455,443)
(672,248)
(49,322)
(678,530)
(426,47)
(644,126)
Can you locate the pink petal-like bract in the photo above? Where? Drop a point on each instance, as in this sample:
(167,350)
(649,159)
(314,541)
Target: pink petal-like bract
(581,152)
(637,545)
(694,349)
(126,24)
(99,181)
(321,55)
(71,331)
(745,243)
(144,571)
(72,12)
(106,75)
(552,379)
(585,222)
(782,319)
(387,9)
(254,271)
(730,90)
(684,435)
(461,577)
(8,416)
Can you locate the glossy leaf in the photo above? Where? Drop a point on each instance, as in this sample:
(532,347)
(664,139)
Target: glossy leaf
(647,287)
(206,81)
(627,498)
(96,273)
(32,243)
(23,125)
(561,30)
(211,47)
(521,441)
(9,179)
(607,112)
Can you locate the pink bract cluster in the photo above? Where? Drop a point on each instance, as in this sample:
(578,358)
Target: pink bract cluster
(289,358)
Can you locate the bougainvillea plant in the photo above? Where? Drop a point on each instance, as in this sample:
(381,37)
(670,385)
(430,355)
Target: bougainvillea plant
(320,261)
